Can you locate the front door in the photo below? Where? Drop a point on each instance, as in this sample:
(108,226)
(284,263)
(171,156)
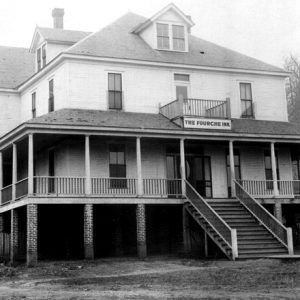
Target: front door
(181,92)
(198,172)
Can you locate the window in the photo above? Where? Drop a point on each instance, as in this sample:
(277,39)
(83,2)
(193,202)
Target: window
(237,168)
(268,168)
(38,59)
(115,91)
(117,166)
(182,86)
(163,40)
(44,55)
(182,77)
(51,171)
(33,104)
(178,37)
(51,96)
(246,100)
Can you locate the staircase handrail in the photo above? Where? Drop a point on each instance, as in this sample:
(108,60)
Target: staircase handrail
(228,240)
(273,222)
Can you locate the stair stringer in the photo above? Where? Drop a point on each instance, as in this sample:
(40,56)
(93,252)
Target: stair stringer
(262,224)
(226,250)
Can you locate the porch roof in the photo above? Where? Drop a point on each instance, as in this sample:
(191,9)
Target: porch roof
(117,119)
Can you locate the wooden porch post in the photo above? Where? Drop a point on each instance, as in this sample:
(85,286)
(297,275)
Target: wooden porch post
(182,166)
(30,164)
(140,188)
(232,171)
(1,175)
(14,171)
(87,165)
(274,167)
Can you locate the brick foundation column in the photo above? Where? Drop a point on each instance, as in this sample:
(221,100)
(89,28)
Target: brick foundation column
(32,234)
(14,232)
(1,223)
(88,234)
(278,211)
(141,230)
(186,231)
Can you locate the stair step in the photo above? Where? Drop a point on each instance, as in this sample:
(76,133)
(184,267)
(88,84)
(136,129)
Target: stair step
(240,220)
(259,255)
(260,247)
(232,215)
(263,251)
(263,237)
(258,242)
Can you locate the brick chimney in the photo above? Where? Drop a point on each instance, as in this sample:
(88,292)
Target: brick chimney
(58,18)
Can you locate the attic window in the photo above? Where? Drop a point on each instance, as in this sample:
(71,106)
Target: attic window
(178,37)
(163,40)
(41,57)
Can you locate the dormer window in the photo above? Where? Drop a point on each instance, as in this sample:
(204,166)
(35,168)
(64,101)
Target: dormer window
(41,57)
(178,37)
(163,40)
(170,37)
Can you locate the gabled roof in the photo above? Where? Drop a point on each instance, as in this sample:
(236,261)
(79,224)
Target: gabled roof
(62,35)
(57,35)
(117,41)
(129,120)
(170,6)
(16,65)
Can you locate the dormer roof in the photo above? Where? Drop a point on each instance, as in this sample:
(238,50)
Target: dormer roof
(186,19)
(57,36)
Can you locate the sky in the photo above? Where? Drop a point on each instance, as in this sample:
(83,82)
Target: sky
(268,30)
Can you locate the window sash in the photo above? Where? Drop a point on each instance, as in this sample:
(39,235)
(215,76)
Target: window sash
(38,59)
(51,96)
(115,95)
(163,40)
(33,104)
(247,108)
(44,55)
(178,37)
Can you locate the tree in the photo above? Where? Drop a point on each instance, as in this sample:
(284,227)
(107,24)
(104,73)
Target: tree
(292,65)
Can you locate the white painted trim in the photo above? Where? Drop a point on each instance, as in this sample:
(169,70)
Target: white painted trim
(8,90)
(61,57)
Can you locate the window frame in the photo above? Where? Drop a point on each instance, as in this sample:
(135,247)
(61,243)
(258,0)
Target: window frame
(163,36)
(118,181)
(178,38)
(269,182)
(245,101)
(33,104)
(120,92)
(51,106)
(43,55)
(38,59)
(171,36)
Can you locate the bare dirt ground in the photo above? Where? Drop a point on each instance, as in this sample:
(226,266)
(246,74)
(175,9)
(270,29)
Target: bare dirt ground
(154,278)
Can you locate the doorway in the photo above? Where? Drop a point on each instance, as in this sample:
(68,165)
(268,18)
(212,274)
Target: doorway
(198,172)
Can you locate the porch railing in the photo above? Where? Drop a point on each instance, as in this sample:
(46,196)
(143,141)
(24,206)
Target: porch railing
(196,107)
(59,185)
(265,188)
(21,188)
(268,220)
(6,194)
(114,186)
(211,217)
(162,187)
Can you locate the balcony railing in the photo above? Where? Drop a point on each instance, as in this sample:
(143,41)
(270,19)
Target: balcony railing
(44,185)
(114,186)
(102,187)
(265,188)
(162,187)
(6,194)
(197,108)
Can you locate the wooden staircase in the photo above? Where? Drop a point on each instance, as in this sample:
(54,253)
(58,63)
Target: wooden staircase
(253,239)
(241,227)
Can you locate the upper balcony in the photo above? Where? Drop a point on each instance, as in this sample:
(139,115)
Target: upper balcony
(216,109)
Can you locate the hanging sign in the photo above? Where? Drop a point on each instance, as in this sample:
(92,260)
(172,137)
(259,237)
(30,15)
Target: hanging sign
(198,123)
